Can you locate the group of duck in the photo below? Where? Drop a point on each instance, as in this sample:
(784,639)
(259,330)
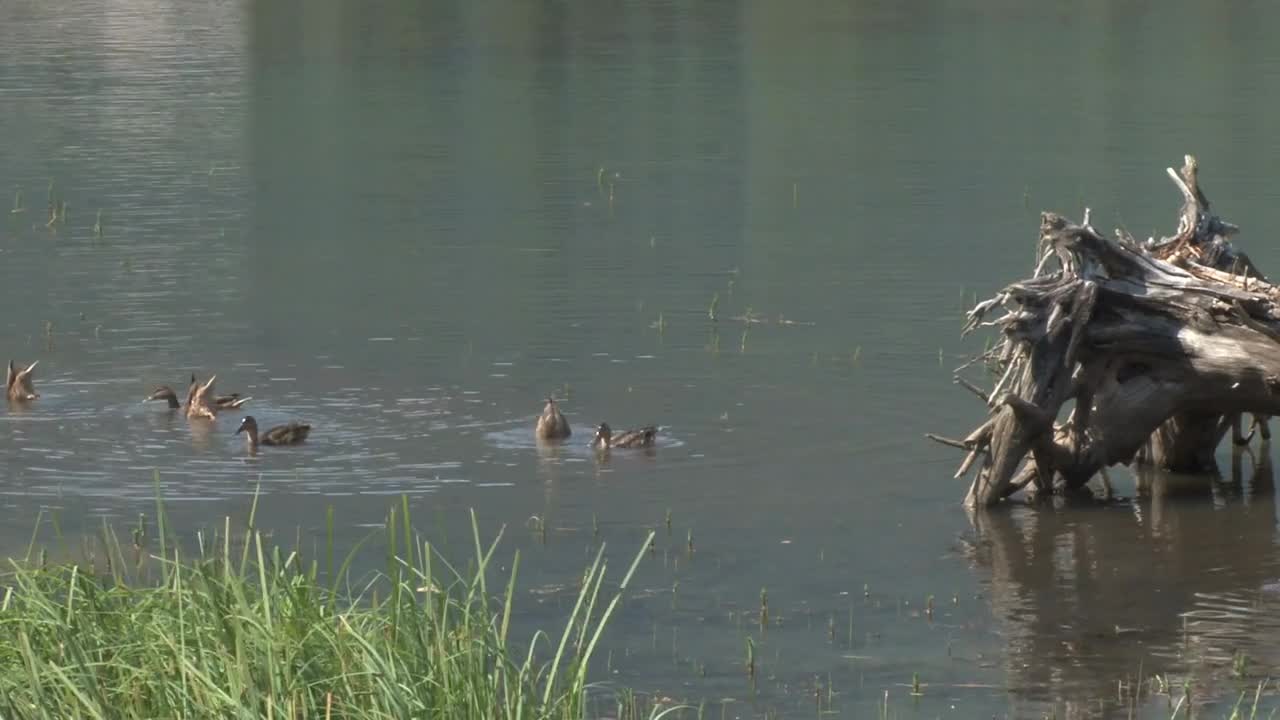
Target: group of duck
(553,426)
(202,403)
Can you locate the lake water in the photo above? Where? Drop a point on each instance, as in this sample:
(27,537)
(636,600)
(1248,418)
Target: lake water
(407,223)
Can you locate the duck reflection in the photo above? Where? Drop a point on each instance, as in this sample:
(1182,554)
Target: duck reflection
(1176,582)
(202,433)
(550,462)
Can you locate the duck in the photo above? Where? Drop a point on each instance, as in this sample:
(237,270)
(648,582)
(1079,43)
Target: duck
(230,401)
(220,402)
(641,438)
(17,383)
(291,434)
(201,402)
(552,424)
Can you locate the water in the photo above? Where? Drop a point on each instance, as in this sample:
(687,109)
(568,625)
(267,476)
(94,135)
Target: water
(407,223)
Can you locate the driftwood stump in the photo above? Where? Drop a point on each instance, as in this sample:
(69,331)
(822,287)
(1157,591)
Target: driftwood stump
(1116,351)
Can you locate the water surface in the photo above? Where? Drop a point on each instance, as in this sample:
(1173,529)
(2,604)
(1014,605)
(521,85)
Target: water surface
(407,223)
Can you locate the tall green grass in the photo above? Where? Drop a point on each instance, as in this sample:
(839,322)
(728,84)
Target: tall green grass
(243,630)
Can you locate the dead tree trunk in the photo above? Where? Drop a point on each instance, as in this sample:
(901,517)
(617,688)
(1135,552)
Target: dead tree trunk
(1160,346)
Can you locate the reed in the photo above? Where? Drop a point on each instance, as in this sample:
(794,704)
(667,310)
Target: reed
(241,629)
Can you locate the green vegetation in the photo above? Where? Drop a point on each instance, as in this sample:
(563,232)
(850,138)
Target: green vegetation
(243,630)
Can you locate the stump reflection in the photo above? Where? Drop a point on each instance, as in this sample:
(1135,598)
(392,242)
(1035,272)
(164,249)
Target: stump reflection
(1168,584)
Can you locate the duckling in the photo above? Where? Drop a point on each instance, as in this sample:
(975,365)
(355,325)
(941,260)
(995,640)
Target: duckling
(17,383)
(291,434)
(552,424)
(641,438)
(221,402)
(201,402)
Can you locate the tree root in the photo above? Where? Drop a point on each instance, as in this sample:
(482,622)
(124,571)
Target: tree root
(1160,346)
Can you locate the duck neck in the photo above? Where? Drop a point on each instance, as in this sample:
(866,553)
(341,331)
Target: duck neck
(252,435)
(173,401)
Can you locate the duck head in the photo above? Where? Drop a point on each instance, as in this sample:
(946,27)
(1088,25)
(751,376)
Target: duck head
(248,424)
(604,434)
(164,392)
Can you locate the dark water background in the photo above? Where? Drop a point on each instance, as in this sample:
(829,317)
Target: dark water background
(406,223)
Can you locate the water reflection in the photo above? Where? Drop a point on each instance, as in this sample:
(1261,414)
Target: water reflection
(1092,594)
(18,407)
(203,433)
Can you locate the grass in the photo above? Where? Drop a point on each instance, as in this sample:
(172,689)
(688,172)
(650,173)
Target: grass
(240,629)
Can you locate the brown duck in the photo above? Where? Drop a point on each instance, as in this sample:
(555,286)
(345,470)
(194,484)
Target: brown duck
(552,424)
(291,434)
(17,383)
(642,438)
(201,402)
(220,402)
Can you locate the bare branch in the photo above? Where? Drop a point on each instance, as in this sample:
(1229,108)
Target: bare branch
(949,442)
(982,394)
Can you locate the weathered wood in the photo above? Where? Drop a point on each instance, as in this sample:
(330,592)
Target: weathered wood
(1161,346)
(982,394)
(949,442)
